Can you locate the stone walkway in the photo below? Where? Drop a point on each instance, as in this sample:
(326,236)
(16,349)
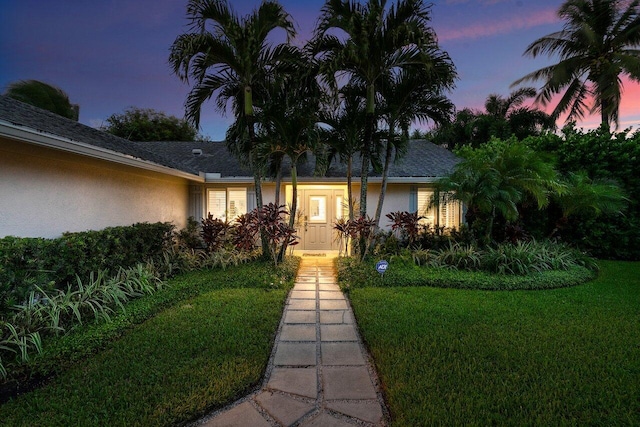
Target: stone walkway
(319,373)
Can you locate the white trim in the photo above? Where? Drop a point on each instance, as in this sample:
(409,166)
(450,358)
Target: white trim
(32,136)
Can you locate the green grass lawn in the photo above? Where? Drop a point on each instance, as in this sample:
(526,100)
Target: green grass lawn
(199,354)
(567,356)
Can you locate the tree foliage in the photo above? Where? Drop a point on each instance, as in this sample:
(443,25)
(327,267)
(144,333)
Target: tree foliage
(379,41)
(146,124)
(502,118)
(590,160)
(596,47)
(45,96)
(496,178)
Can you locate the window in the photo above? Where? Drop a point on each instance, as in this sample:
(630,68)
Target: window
(339,207)
(318,208)
(425,208)
(446,214)
(227,203)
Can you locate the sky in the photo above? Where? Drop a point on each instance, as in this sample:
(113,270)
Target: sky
(108,55)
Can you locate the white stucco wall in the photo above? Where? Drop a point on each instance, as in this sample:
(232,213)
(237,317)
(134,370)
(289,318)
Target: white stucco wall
(45,192)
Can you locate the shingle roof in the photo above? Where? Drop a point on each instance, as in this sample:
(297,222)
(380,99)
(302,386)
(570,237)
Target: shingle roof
(21,114)
(422,159)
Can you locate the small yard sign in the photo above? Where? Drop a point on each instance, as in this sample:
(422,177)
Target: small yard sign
(381,266)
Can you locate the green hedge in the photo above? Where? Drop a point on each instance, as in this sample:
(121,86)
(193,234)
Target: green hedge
(401,272)
(48,263)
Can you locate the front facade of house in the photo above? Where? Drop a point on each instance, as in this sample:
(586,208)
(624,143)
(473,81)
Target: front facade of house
(57,175)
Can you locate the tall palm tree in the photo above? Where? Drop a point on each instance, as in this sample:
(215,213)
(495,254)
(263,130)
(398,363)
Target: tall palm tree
(289,117)
(45,96)
(408,96)
(597,46)
(344,133)
(232,59)
(379,41)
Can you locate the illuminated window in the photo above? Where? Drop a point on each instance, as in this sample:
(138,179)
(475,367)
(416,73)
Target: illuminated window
(446,214)
(227,203)
(318,208)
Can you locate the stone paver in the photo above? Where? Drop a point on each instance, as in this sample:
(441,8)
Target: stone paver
(298,381)
(295,332)
(341,354)
(318,374)
(242,415)
(347,382)
(338,333)
(283,408)
(326,420)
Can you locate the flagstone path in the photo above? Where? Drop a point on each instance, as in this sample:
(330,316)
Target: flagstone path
(319,372)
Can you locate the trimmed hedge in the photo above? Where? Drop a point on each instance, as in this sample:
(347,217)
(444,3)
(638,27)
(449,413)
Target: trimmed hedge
(49,263)
(402,273)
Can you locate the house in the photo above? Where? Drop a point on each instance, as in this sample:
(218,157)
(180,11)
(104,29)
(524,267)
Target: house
(58,175)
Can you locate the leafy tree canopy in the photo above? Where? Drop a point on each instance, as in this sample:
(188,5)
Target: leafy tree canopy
(45,96)
(146,124)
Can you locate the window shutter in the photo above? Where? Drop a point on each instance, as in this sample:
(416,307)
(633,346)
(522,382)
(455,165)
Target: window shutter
(413,198)
(251,199)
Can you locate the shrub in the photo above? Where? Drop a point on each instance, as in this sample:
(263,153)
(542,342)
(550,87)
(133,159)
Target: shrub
(30,262)
(459,257)
(214,232)
(402,272)
(54,312)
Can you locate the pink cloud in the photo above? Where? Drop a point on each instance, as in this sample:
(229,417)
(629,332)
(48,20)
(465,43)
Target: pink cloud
(495,28)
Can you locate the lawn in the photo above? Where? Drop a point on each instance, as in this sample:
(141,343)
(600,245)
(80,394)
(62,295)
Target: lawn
(568,356)
(195,356)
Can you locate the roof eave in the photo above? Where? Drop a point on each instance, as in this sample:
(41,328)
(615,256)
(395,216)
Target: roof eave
(32,136)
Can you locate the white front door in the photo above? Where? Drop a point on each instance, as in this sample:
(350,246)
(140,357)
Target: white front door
(317,220)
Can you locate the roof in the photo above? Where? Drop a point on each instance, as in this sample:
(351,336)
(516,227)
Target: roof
(45,122)
(422,159)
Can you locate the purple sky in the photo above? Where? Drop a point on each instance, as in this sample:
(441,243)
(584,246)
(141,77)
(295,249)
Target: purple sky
(112,54)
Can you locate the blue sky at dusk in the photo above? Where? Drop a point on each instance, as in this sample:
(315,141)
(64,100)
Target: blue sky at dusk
(112,54)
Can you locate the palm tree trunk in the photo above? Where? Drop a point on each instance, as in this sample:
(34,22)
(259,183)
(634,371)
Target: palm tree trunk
(349,188)
(385,175)
(294,207)
(248,111)
(366,160)
(278,183)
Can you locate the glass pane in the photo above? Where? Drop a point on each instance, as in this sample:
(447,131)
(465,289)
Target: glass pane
(217,203)
(339,207)
(318,208)
(424,200)
(237,203)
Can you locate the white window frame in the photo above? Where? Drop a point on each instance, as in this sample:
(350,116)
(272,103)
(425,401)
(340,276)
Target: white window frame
(235,202)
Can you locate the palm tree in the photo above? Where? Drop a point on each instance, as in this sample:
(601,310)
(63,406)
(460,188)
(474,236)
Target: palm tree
(597,45)
(344,133)
(289,117)
(496,177)
(45,96)
(508,116)
(379,41)
(232,59)
(584,195)
(406,97)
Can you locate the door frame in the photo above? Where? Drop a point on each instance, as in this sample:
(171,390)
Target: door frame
(336,194)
